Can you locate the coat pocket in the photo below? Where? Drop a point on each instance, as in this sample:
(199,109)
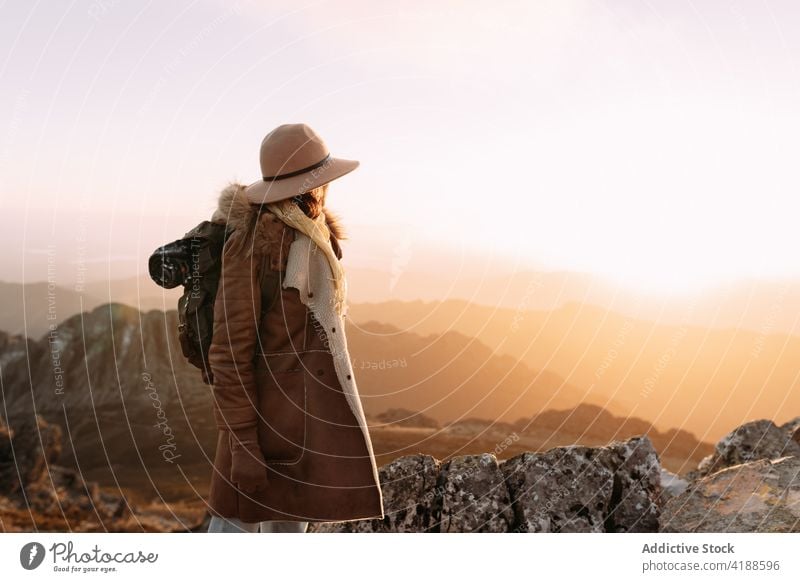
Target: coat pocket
(282,408)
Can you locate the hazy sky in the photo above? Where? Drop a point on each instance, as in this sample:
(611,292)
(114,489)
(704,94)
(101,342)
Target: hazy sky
(652,141)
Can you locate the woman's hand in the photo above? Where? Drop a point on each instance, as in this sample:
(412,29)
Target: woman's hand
(248,467)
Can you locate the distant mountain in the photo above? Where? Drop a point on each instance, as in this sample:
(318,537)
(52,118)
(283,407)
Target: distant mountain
(585,424)
(29,309)
(668,369)
(703,380)
(402,417)
(114,379)
(449,376)
(765,307)
(139,292)
(760,306)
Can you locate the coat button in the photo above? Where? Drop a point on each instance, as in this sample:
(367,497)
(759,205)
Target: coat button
(333,329)
(348,376)
(310,294)
(320,372)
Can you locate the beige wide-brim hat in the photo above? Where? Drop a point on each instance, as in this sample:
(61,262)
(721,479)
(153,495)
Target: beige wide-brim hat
(294,160)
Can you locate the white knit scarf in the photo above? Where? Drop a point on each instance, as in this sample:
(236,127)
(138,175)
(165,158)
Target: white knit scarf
(317,230)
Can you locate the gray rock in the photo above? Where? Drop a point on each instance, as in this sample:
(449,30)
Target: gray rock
(409,492)
(474,496)
(759,439)
(585,489)
(465,494)
(703,468)
(792,429)
(562,490)
(760,496)
(637,485)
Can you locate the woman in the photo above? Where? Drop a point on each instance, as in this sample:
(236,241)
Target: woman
(293,445)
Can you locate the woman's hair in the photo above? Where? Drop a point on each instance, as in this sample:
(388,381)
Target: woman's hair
(312,202)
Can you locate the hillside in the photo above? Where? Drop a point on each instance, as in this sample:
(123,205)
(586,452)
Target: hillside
(702,380)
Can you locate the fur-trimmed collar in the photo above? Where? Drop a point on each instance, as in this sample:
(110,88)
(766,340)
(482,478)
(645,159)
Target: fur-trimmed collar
(236,210)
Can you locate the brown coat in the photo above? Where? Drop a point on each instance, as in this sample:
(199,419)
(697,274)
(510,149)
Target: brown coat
(273,369)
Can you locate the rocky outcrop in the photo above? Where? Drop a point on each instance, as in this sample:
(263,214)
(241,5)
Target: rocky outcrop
(409,486)
(36,494)
(474,496)
(26,452)
(582,489)
(751,483)
(792,429)
(612,488)
(760,439)
(760,496)
(31,482)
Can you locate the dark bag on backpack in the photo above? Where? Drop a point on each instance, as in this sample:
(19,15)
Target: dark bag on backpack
(195,262)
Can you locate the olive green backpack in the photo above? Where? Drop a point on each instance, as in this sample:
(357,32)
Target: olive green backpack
(195,261)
